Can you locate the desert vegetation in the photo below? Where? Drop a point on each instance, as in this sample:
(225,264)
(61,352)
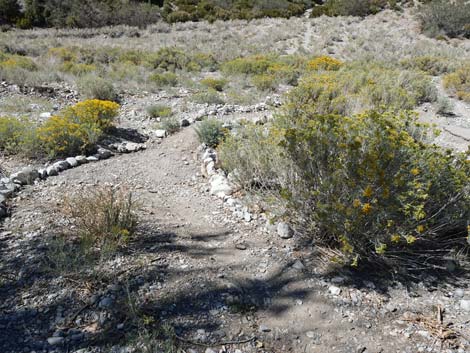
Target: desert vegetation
(181,175)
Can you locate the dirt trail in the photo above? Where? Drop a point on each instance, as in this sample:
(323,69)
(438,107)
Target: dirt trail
(190,271)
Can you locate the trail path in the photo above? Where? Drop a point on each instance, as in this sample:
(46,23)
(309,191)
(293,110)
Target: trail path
(187,267)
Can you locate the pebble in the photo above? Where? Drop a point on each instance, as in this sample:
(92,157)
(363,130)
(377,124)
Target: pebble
(284,230)
(264,328)
(298,265)
(334,290)
(55,341)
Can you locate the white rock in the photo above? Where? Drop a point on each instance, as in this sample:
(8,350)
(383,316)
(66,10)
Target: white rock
(210,168)
(334,290)
(465,305)
(54,341)
(45,115)
(219,186)
(81,159)
(298,265)
(52,171)
(61,165)
(92,159)
(284,230)
(160,133)
(72,162)
(42,173)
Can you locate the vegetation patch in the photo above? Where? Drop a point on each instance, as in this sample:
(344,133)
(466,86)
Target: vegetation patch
(458,83)
(211,132)
(449,18)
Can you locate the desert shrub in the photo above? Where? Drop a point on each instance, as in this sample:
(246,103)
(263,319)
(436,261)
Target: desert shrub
(351,7)
(162,79)
(211,132)
(326,63)
(101,221)
(432,65)
(252,65)
(159,111)
(458,83)
(442,17)
(169,59)
(170,124)
(77,69)
(444,106)
(210,96)
(357,87)
(368,185)
(18,136)
(264,82)
(17,62)
(95,87)
(214,83)
(103,215)
(78,128)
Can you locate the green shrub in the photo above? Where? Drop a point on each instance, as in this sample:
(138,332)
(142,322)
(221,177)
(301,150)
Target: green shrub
(358,87)
(214,83)
(444,106)
(264,82)
(159,111)
(94,87)
(368,186)
(432,65)
(442,17)
(351,7)
(211,132)
(169,59)
(170,124)
(252,65)
(18,136)
(164,79)
(210,96)
(458,83)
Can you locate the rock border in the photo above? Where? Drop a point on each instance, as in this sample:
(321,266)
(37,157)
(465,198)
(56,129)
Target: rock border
(29,175)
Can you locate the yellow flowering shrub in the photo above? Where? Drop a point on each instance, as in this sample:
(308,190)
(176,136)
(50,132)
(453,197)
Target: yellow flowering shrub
(365,184)
(78,128)
(18,136)
(9,62)
(326,63)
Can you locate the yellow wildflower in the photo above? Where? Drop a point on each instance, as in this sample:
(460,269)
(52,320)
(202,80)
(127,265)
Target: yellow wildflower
(368,191)
(366,208)
(356,203)
(415,171)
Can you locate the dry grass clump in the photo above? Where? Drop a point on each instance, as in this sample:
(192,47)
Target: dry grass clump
(100,222)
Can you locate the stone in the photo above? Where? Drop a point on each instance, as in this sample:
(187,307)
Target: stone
(240,246)
(185,123)
(465,305)
(310,334)
(106,303)
(103,153)
(160,133)
(55,341)
(92,159)
(264,328)
(72,162)
(42,173)
(284,230)
(25,176)
(459,293)
(52,171)
(298,265)
(45,115)
(209,350)
(219,186)
(6,190)
(81,159)
(61,165)
(334,290)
